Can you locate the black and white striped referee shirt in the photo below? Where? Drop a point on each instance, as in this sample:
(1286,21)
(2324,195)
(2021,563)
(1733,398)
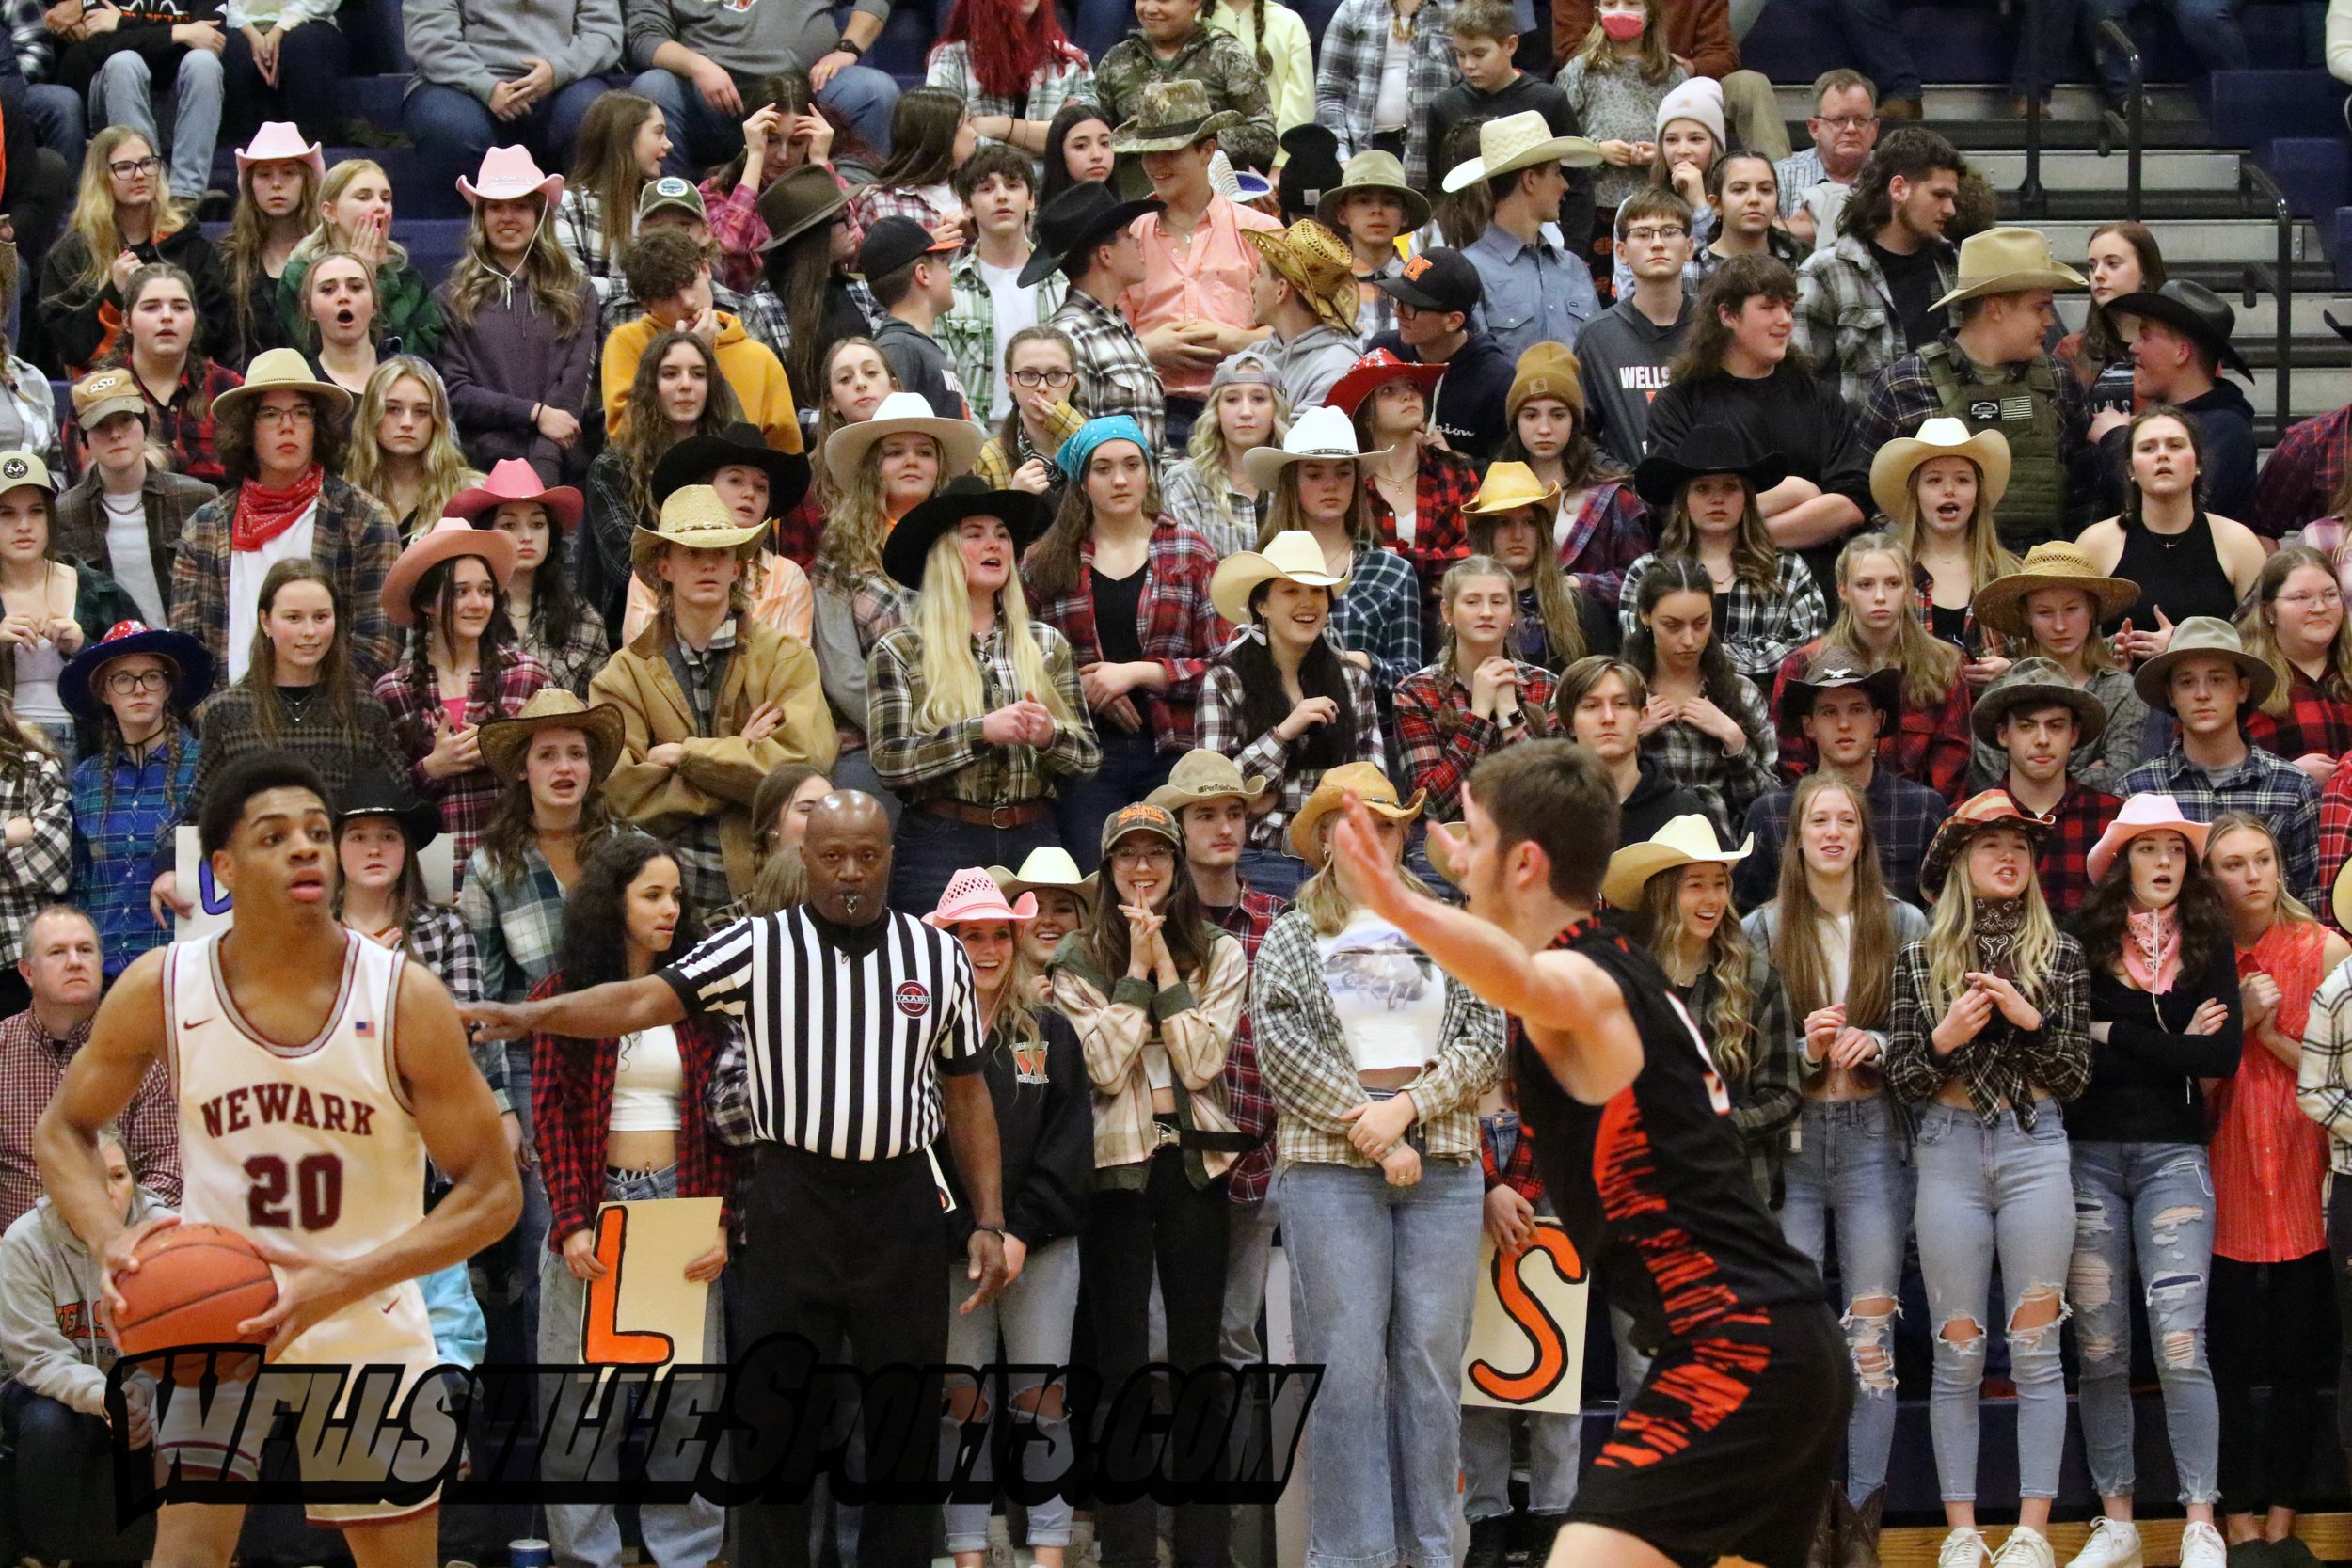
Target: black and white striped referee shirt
(840,1043)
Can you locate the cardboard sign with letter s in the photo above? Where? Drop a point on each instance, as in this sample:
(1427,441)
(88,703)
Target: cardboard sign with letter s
(1526,1349)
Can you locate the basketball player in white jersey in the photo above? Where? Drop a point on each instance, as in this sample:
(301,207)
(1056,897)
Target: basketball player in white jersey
(314,1072)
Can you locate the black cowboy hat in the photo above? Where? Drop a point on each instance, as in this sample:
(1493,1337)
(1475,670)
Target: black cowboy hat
(693,460)
(1311,167)
(376,792)
(910,545)
(1709,450)
(1832,670)
(77,683)
(2193,310)
(1074,223)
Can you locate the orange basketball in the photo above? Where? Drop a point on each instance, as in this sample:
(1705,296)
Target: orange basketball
(195,1284)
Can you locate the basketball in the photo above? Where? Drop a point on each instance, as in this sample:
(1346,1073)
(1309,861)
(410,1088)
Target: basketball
(195,1284)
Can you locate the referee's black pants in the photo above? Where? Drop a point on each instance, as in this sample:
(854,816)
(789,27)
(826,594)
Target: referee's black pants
(852,1248)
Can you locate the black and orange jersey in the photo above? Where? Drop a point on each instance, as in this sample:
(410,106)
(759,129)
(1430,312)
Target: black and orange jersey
(1653,1186)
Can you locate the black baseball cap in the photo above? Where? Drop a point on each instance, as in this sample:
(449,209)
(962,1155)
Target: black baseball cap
(891,243)
(1437,280)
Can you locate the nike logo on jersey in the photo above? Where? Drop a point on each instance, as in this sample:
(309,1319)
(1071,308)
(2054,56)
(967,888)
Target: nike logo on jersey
(264,1104)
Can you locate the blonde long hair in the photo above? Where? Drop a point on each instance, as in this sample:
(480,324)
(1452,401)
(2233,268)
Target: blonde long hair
(1656,922)
(1206,451)
(1951,938)
(855,525)
(1283,514)
(1928,664)
(2260,636)
(326,236)
(549,277)
(1797,944)
(952,693)
(1754,559)
(1988,558)
(2285,907)
(1657,61)
(367,468)
(1326,903)
(1558,600)
(93,214)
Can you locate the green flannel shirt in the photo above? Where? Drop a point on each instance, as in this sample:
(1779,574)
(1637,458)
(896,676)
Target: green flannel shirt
(968,330)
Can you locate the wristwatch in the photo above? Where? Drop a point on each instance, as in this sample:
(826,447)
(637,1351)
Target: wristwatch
(848,45)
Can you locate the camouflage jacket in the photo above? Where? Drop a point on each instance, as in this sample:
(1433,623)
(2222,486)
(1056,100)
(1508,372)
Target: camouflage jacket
(1220,63)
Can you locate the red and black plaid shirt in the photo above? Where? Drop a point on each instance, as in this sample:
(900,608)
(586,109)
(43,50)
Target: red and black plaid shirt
(1245,1100)
(1440,533)
(2304,472)
(1516,1172)
(2313,722)
(188,436)
(2081,817)
(2335,831)
(1441,741)
(800,532)
(1179,629)
(1930,745)
(571,1111)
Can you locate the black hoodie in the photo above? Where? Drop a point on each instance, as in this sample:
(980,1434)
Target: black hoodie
(2224,427)
(1657,800)
(1044,1138)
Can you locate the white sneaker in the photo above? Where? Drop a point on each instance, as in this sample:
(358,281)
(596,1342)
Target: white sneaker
(1963,1548)
(2113,1544)
(2201,1546)
(2026,1548)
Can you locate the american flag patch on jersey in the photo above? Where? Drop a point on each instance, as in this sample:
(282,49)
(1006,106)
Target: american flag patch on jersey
(363,1026)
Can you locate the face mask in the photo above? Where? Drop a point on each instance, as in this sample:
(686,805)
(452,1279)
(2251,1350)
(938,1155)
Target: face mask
(1624,27)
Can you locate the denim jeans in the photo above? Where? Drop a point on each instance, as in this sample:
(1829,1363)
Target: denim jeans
(511,1266)
(1852,1166)
(61,1500)
(1986,1192)
(1383,1283)
(1132,767)
(929,850)
(453,129)
(123,93)
(1555,1444)
(1249,1248)
(701,135)
(676,1535)
(59,119)
(1034,1318)
(1880,51)
(1273,873)
(2150,1203)
(2209,27)
(312,62)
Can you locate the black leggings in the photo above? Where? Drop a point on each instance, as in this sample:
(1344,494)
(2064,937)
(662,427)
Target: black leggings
(2266,1326)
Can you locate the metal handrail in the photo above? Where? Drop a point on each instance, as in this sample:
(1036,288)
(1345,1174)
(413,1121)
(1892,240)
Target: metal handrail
(2254,181)
(2132,119)
(2032,200)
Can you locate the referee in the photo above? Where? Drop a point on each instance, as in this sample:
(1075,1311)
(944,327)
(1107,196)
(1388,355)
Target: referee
(860,1029)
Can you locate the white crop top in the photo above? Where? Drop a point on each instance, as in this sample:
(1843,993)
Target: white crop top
(1390,997)
(647,1083)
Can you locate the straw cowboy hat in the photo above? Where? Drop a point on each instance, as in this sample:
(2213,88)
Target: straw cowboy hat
(2059,564)
(2143,813)
(1170,117)
(281,370)
(1994,808)
(192,667)
(1686,840)
(1048,867)
(1374,170)
(1513,142)
(1317,262)
(1507,487)
(280,140)
(513,479)
(903,413)
(510,174)
(1292,555)
(1376,369)
(697,518)
(2036,683)
(1201,774)
(797,202)
(446,540)
(972,894)
(2203,635)
(907,552)
(2342,896)
(1323,433)
(1362,780)
(506,741)
(2006,261)
(1942,437)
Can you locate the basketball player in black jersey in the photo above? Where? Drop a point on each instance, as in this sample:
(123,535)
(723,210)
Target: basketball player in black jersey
(1727,1447)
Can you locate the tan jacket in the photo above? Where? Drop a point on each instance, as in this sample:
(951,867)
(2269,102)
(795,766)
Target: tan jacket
(1195,1020)
(721,771)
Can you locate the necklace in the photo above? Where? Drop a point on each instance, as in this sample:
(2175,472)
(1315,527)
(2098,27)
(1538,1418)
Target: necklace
(297,710)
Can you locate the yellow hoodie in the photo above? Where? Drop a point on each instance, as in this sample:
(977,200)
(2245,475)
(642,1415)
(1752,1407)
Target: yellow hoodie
(750,366)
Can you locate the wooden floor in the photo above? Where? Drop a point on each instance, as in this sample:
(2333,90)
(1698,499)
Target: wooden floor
(2329,1535)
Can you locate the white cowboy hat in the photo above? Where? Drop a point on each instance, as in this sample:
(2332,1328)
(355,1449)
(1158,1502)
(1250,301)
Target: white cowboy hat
(1319,433)
(1687,840)
(904,413)
(1519,141)
(1943,436)
(1292,555)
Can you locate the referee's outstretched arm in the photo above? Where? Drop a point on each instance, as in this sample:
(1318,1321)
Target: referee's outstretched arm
(601,1012)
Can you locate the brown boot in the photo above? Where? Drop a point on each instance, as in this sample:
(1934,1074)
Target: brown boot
(1900,108)
(1858,1538)
(1823,1552)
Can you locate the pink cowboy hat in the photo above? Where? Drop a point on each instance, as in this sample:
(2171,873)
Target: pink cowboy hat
(280,138)
(972,894)
(2143,813)
(513,479)
(509,174)
(446,540)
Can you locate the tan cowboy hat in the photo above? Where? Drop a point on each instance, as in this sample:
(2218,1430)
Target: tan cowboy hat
(2006,261)
(2059,564)
(695,517)
(2198,635)
(1049,869)
(283,369)
(1374,170)
(446,540)
(1362,780)
(1319,433)
(900,413)
(1507,487)
(2342,896)
(1201,774)
(1513,142)
(1942,437)
(1292,555)
(506,741)
(1170,117)
(1686,840)
(1317,262)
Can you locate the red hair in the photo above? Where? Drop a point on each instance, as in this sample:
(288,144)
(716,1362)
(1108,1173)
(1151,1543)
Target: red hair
(1005,55)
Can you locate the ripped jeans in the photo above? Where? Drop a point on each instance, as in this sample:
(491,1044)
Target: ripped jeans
(2150,1203)
(2003,1191)
(1851,1170)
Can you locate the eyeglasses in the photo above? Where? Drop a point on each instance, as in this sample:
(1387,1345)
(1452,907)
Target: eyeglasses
(122,683)
(1147,854)
(1664,233)
(2327,598)
(1845,122)
(1056,379)
(299,415)
(129,167)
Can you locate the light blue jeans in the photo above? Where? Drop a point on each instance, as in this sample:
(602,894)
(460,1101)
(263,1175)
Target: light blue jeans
(2150,1203)
(1248,1250)
(1984,1192)
(1383,1280)
(1033,1316)
(1554,1443)
(1851,1167)
(123,93)
(588,1535)
(698,132)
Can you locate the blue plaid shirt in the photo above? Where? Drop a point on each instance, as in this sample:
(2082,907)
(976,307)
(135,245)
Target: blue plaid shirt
(1379,615)
(2269,787)
(121,845)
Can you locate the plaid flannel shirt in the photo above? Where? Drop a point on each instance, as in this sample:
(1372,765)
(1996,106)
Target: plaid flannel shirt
(579,229)
(123,839)
(872,203)
(1764,1100)
(1757,628)
(189,439)
(354,538)
(1348,78)
(1177,627)
(31,1066)
(1442,739)
(956,763)
(1446,483)
(2083,813)
(1302,1053)
(1211,507)
(2270,787)
(2298,483)
(2335,833)
(2313,722)
(1194,1018)
(1266,756)
(1379,614)
(1933,745)
(2323,1087)
(1115,376)
(1251,1107)
(1903,819)
(1695,760)
(79,520)
(39,870)
(1847,325)
(1052,84)
(1516,1171)
(2004,1064)
(517,922)
(1608,534)
(468,799)
(439,938)
(968,330)
(573,663)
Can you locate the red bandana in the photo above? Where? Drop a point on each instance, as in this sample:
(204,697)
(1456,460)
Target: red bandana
(264,513)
